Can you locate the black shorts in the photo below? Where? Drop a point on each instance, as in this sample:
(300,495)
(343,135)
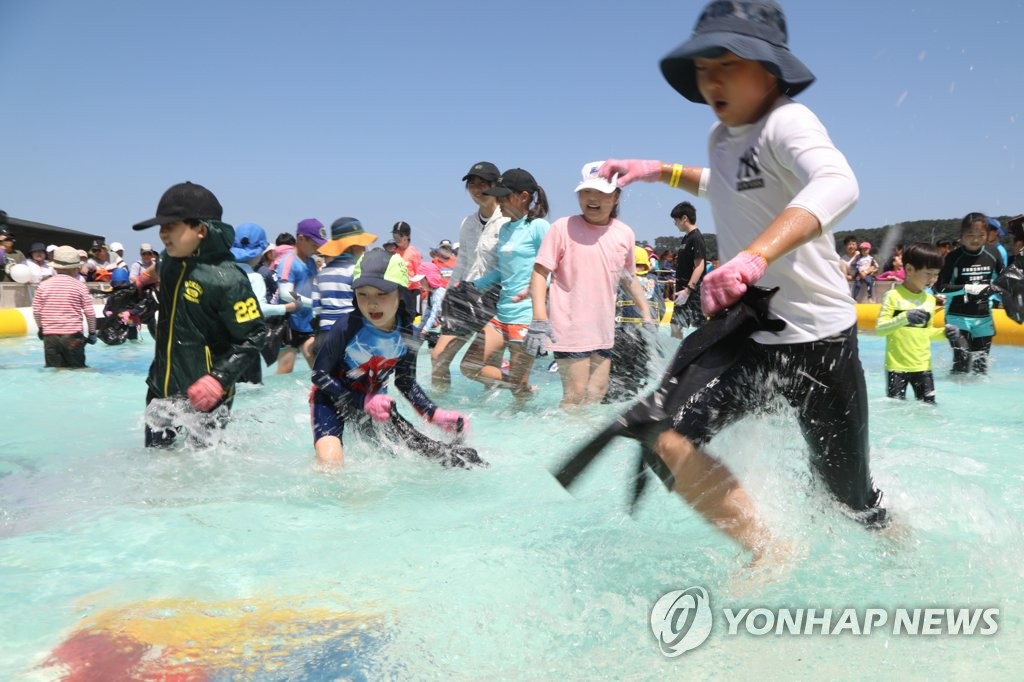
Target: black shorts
(64,350)
(582,355)
(465,309)
(297,338)
(824,381)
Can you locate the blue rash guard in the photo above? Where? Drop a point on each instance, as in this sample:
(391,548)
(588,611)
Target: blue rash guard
(518,243)
(358,359)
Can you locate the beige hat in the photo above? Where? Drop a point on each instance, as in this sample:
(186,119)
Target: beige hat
(66,257)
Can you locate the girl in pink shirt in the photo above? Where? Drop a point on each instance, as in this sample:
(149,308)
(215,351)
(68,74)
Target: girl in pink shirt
(587,257)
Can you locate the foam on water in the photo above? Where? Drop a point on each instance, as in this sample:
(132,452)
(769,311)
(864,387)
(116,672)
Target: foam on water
(497,572)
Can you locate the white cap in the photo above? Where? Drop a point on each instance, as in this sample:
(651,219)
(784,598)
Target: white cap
(591,180)
(116,246)
(51,248)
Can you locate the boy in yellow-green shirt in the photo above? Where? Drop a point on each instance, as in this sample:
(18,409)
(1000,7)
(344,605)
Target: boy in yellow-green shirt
(905,320)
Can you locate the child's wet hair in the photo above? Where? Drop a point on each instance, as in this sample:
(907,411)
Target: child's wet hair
(922,255)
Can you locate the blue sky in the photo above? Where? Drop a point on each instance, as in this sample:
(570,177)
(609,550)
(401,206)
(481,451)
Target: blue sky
(288,110)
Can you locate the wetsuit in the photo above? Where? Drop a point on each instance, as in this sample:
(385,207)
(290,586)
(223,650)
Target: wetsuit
(971,314)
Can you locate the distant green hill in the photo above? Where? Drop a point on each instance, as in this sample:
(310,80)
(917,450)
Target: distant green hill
(911,231)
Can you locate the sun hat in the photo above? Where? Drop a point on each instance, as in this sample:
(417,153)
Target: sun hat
(865,245)
(184,201)
(82,253)
(313,229)
(643,260)
(512,181)
(346,232)
(485,170)
(380,269)
(66,257)
(750,29)
(250,242)
(51,248)
(146,248)
(38,246)
(591,180)
(116,246)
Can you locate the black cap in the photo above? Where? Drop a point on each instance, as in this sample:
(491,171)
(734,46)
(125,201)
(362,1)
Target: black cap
(512,181)
(184,201)
(485,170)
(401,227)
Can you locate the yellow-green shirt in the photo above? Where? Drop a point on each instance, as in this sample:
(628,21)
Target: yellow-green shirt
(907,349)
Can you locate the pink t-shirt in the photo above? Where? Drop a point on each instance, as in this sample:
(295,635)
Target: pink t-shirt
(587,263)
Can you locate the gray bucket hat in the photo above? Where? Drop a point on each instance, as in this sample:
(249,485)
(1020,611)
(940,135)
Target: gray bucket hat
(751,29)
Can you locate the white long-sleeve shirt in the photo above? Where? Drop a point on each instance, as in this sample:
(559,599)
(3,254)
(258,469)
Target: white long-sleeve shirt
(786,159)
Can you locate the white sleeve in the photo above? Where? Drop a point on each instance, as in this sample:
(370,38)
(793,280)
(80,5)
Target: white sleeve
(801,143)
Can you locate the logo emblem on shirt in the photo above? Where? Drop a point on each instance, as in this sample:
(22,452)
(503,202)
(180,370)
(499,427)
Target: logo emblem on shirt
(193,291)
(748,175)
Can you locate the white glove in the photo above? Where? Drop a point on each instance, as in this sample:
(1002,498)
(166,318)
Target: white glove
(682,297)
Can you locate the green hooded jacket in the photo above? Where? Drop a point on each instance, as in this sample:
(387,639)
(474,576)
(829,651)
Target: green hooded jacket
(210,321)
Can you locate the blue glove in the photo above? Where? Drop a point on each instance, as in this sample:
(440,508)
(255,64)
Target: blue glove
(917,317)
(91,340)
(537,337)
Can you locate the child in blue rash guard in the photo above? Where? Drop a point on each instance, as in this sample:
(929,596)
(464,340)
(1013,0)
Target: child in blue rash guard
(905,320)
(966,275)
(359,355)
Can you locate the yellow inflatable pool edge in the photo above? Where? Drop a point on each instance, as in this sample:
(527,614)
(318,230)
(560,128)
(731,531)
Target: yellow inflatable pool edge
(17,322)
(1008,332)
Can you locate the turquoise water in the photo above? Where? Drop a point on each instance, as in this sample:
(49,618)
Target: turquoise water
(494,573)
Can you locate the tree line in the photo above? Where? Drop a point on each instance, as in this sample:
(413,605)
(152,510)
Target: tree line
(908,232)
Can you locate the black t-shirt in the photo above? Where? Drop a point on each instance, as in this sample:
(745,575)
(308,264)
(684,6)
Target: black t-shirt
(690,252)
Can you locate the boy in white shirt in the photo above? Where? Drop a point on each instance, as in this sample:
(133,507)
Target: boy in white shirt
(777,185)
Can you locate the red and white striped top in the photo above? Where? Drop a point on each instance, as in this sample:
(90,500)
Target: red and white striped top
(59,304)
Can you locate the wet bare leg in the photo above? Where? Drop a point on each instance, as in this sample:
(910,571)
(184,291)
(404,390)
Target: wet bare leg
(441,357)
(712,491)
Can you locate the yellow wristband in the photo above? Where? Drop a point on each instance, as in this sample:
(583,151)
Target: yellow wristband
(677,174)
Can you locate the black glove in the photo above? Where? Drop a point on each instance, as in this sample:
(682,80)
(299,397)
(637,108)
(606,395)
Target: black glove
(955,338)
(91,339)
(917,317)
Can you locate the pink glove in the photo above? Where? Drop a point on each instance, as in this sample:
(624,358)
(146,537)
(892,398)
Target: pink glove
(125,316)
(378,406)
(205,393)
(449,420)
(726,284)
(630,170)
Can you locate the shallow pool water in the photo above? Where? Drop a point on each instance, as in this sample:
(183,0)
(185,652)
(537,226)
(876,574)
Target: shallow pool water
(240,562)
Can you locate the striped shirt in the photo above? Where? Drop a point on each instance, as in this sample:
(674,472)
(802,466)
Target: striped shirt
(59,304)
(332,293)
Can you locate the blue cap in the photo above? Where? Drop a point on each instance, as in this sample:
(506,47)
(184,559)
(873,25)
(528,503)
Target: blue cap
(250,242)
(993,224)
(119,277)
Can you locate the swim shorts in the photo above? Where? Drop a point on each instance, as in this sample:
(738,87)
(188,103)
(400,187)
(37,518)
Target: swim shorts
(582,355)
(513,333)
